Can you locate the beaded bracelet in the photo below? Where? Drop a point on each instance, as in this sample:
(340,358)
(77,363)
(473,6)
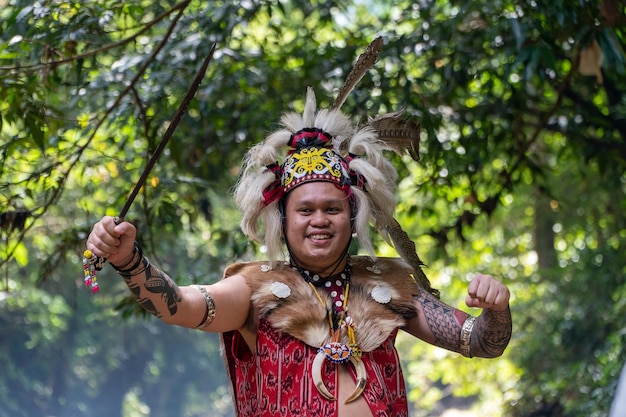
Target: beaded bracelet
(466,335)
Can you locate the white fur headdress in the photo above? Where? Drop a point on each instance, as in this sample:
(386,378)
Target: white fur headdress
(268,173)
(352,157)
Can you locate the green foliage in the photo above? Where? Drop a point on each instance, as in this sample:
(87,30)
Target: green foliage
(522,176)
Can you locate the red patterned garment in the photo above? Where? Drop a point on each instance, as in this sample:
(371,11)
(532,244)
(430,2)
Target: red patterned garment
(276,380)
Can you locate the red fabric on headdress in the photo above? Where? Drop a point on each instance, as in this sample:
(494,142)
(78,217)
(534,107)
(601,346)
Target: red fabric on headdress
(275,190)
(310,137)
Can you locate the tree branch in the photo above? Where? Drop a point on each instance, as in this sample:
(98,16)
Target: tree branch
(36,67)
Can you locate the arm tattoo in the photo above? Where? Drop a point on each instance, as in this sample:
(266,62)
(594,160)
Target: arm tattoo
(155,282)
(159,283)
(490,335)
(443,321)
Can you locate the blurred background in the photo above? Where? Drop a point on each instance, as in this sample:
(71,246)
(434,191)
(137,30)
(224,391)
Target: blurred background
(522,106)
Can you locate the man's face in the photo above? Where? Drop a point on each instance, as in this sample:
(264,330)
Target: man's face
(317,225)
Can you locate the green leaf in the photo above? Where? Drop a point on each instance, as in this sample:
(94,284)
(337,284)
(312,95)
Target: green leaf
(21,254)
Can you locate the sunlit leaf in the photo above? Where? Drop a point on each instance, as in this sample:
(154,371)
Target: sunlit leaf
(21,254)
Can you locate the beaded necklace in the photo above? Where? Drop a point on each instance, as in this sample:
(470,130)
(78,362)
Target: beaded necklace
(337,314)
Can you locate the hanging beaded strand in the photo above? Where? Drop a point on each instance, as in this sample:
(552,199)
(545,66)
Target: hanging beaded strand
(89,266)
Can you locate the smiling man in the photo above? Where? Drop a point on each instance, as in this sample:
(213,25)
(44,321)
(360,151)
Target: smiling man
(313,334)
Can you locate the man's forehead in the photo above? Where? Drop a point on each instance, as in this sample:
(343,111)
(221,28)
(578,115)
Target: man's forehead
(317,192)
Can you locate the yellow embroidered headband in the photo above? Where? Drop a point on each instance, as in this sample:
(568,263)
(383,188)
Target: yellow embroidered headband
(311,159)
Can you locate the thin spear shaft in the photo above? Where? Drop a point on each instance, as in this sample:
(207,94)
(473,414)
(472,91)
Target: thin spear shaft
(191,92)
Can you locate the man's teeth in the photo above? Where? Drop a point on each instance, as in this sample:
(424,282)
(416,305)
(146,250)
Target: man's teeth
(319,237)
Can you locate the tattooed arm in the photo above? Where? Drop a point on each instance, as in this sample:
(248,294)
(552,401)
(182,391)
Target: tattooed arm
(157,293)
(485,336)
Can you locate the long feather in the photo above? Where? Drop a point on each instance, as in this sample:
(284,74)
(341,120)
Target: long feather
(365,61)
(399,133)
(406,249)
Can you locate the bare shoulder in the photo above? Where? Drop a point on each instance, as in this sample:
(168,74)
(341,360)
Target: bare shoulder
(234,290)
(238,311)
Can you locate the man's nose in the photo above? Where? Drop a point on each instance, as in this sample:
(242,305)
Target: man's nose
(320,218)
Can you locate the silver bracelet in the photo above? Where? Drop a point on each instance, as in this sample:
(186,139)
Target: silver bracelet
(466,336)
(210,307)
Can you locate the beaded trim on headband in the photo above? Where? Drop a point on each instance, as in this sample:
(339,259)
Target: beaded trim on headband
(311,159)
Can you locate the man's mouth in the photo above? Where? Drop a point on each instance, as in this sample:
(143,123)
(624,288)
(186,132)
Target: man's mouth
(319,236)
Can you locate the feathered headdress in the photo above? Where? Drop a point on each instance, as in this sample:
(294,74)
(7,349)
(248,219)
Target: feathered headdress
(324,145)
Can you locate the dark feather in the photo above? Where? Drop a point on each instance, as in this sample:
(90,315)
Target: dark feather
(398,132)
(365,61)
(407,251)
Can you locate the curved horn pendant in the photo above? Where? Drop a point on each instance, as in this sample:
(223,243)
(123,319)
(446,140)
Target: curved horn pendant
(337,353)
(317,376)
(361,379)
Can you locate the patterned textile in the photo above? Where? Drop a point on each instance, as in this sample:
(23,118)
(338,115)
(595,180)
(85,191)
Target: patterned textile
(277,380)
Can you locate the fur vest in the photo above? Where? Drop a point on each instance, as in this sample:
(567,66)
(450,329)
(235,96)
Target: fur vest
(381,299)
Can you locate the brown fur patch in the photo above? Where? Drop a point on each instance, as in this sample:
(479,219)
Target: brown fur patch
(302,316)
